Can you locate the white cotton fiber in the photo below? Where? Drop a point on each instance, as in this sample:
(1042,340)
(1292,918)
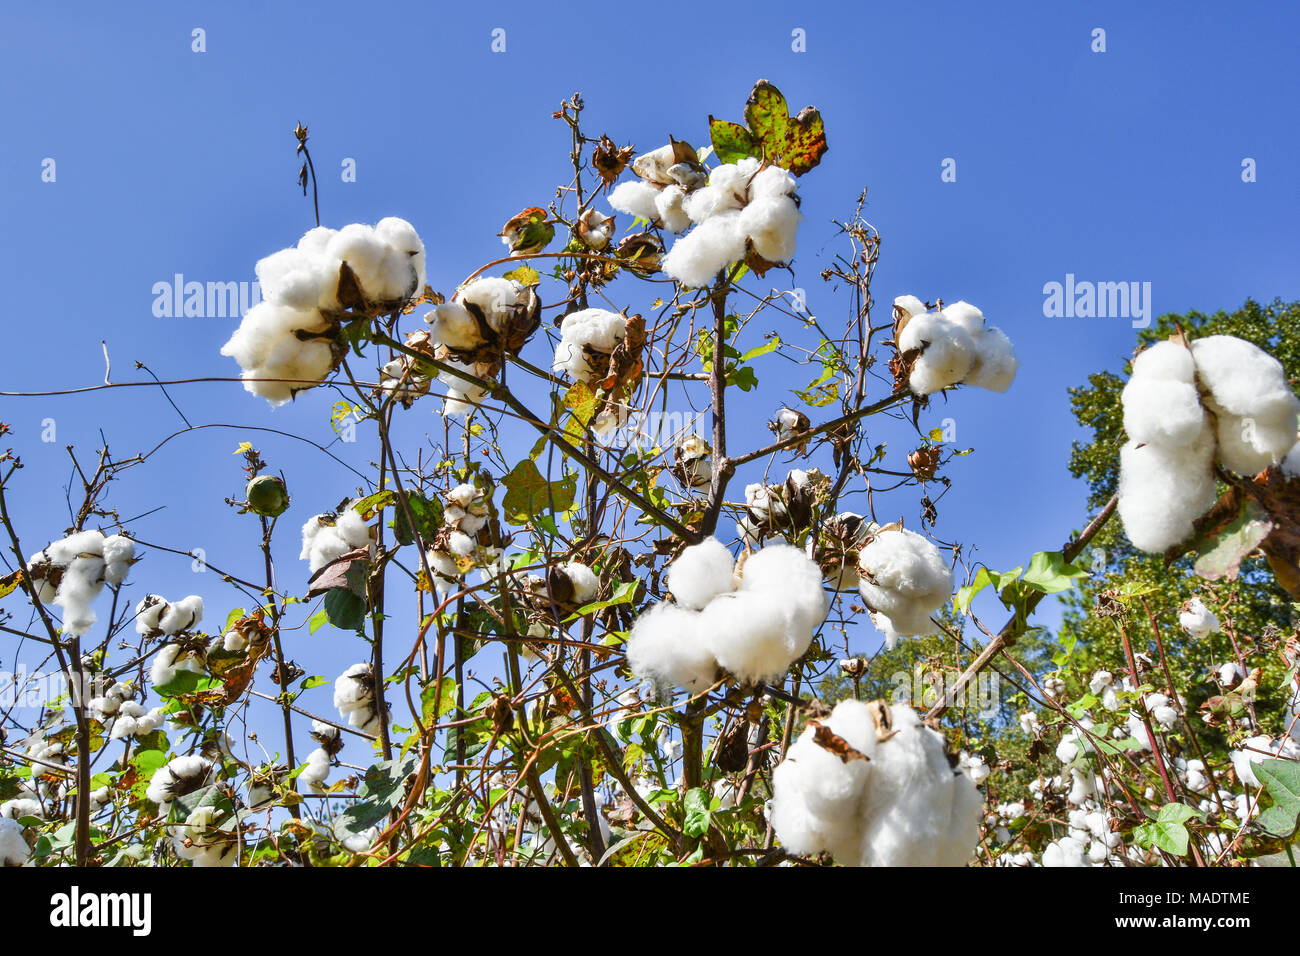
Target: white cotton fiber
(1248,391)
(585,583)
(1163,491)
(667,644)
(696,259)
(910,304)
(700,573)
(904,580)
(635,198)
(327,537)
(903,806)
(771,222)
(316,772)
(669,210)
(1198,620)
(1162,410)
(587,337)
(119,552)
(754,635)
(14,850)
(786,571)
(995,364)
(948,352)
(453,325)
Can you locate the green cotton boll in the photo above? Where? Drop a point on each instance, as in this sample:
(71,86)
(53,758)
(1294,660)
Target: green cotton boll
(267,496)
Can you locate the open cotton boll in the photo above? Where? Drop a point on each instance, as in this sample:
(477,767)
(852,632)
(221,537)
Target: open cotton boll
(587,337)
(1258,748)
(772,181)
(785,571)
(14,850)
(171,659)
(452,325)
(1067,851)
(995,364)
(585,583)
(182,615)
(119,552)
(903,806)
(407,248)
(910,305)
(949,352)
(771,223)
(667,644)
(178,777)
(756,635)
(1250,445)
(1162,411)
(317,770)
(700,573)
(1162,491)
(20,807)
(904,580)
(697,257)
(635,198)
(497,297)
(1198,620)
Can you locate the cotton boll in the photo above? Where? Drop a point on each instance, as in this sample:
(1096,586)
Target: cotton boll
(408,252)
(787,572)
(1248,445)
(498,298)
(180,776)
(770,182)
(452,325)
(316,772)
(585,584)
(967,316)
(182,615)
(771,223)
(1067,851)
(995,364)
(354,688)
(364,252)
(700,573)
(697,258)
(14,850)
(1163,491)
(904,580)
(1165,362)
(21,807)
(149,612)
(948,352)
(635,198)
(667,644)
(1198,620)
(587,337)
(669,210)
(298,278)
(171,659)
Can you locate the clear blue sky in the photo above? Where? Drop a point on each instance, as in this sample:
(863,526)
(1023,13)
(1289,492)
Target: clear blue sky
(1115,166)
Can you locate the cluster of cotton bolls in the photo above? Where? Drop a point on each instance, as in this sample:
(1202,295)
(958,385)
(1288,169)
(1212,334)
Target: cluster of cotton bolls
(1090,841)
(327,537)
(773,509)
(70,573)
(457,547)
(952,346)
(897,801)
(123,716)
(1262,747)
(1184,407)
(284,342)
(487,319)
(744,206)
(177,777)
(753,620)
(903,579)
(354,698)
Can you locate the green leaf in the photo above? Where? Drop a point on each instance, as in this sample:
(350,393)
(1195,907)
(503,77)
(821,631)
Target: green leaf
(317,621)
(731,141)
(345,610)
(308,683)
(698,813)
(1049,572)
(1167,831)
(426,514)
(625,593)
(581,400)
(186,682)
(1281,778)
(524,275)
(382,791)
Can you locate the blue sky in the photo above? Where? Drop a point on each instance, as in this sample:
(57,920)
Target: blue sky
(1115,166)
